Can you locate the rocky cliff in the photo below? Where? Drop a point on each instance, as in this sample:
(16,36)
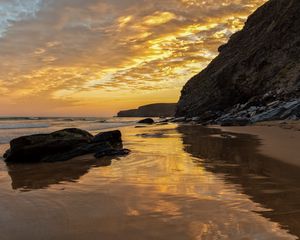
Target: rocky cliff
(152,110)
(258,67)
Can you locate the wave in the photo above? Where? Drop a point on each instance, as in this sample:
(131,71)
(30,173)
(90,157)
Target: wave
(23,125)
(17,118)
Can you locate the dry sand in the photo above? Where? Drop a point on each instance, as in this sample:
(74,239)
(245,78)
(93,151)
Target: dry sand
(280,140)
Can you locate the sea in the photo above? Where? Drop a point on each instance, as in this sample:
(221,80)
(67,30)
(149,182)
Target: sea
(12,127)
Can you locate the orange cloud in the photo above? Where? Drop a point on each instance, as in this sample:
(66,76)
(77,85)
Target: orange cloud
(93,57)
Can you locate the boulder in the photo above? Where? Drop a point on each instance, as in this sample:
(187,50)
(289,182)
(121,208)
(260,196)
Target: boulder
(111,137)
(60,145)
(146,121)
(78,151)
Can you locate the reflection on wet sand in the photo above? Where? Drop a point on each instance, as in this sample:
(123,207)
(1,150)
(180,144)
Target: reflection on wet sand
(38,176)
(163,190)
(272,183)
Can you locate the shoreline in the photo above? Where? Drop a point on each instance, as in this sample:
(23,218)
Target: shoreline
(279,140)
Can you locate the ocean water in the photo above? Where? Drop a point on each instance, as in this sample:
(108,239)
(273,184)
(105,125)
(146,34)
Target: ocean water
(12,127)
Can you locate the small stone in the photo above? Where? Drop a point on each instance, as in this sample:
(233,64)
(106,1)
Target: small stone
(146,121)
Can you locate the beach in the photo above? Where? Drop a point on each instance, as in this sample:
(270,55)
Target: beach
(279,139)
(179,182)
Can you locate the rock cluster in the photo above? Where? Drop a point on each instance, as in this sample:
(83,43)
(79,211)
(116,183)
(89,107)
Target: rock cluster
(258,109)
(64,145)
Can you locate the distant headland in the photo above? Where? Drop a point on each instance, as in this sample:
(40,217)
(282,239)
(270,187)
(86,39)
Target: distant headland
(151,110)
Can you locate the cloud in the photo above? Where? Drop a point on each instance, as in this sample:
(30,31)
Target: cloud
(88,51)
(16,10)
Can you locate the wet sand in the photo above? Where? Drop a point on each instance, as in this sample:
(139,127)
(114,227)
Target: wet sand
(280,140)
(179,182)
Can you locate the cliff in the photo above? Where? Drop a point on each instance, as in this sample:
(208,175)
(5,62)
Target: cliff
(152,110)
(259,65)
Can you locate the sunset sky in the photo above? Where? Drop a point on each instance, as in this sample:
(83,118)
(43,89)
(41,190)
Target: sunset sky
(95,57)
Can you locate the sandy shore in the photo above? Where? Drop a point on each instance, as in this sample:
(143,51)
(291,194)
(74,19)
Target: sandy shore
(180,181)
(280,140)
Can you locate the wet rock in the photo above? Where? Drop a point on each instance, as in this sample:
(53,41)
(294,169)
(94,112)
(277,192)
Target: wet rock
(146,121)
(272,114)
(150,135)
(227,136)
(6,154)
(273,104)
(292,104)
(111,137)
(112,152)
(139,126)
(180,119)
(275,110)
(162,123)
(234,122)
(60,145)
(196,119)
(78,151)
(35,147)
(208,115)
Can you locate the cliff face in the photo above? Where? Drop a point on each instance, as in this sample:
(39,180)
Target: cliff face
(263,58)
(152,110)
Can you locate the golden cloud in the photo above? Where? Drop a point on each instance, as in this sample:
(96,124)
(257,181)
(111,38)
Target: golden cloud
(85,53)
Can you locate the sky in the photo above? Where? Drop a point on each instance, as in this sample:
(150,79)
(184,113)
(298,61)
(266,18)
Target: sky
(96,57)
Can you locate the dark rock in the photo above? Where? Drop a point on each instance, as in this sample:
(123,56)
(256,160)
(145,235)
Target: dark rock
(208,115)
(272,114)
(146,121)
(196,119)
(79,151)
(227,136)
(7,153)
(35,147)
(151,135)
(162,123)
(111,137)
(180,119)
(235,122)
(165,120)
(112,152)
(292,104)
(60,145)
(259,65)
